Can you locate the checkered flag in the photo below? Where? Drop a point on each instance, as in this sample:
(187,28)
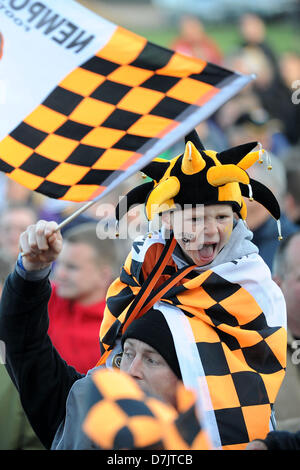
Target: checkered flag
(110,115)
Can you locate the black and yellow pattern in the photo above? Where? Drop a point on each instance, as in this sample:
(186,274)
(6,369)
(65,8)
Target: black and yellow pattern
(200,176)
(104,115)
(119,415)
(241,352)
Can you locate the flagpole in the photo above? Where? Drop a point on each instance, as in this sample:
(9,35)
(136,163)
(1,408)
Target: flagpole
(75,214)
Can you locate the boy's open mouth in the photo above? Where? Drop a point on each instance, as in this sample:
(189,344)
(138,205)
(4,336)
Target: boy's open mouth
(203,254)
(207,251)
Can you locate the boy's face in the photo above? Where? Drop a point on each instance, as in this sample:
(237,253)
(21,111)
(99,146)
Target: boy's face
(202,231)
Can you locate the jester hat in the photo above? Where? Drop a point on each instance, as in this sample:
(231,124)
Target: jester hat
(200,176)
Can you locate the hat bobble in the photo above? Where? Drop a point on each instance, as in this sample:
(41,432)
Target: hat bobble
(117,229)
(279,230)
(250,192)
(260,153)
(269,163)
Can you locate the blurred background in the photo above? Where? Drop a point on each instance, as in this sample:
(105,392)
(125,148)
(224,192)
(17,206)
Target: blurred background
(159,20)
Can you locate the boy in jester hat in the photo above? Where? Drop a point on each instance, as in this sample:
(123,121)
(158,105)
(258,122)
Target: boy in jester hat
(197,289)
(203,273)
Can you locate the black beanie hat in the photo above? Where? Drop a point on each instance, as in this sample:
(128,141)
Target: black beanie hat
(153,330)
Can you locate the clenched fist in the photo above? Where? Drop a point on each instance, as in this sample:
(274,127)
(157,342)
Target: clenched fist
(40,245)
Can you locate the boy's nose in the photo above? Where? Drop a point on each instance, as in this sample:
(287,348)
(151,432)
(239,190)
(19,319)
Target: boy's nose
(210,226)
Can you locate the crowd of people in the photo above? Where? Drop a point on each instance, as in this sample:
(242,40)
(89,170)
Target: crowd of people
(234,291)
(264,111)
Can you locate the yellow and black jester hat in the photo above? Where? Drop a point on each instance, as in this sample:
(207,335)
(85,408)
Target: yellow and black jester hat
(200,176)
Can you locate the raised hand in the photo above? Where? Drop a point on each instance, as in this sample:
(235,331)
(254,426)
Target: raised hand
(40,245)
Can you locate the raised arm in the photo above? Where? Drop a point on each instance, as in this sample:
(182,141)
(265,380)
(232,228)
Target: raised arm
(42,377)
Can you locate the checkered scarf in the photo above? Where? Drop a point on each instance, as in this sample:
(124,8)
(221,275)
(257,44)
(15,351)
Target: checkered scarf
(237,316)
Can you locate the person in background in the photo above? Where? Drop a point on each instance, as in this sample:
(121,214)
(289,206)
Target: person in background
(253,34)
(82,274)
(292,197)
(289,65)
(286,273)
(15,430)
(257,124)
(14,219)
(272,85)
(259,219)
(194,41)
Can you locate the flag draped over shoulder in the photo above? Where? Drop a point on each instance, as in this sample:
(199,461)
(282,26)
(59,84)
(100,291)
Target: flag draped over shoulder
(236,317)
(118,102)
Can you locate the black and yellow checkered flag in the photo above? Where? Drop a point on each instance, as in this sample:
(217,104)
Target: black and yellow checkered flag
(111,115)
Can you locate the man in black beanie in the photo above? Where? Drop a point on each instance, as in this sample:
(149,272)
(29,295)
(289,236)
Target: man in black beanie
(149,356)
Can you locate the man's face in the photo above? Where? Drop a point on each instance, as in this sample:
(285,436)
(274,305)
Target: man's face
(13,223)
(149,369)
(76,274)
(203,231)
(290,285)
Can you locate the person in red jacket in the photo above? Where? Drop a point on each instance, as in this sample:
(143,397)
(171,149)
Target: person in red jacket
(82,275)
(194,41)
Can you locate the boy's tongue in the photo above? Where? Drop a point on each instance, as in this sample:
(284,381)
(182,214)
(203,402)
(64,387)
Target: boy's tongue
(206,251)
